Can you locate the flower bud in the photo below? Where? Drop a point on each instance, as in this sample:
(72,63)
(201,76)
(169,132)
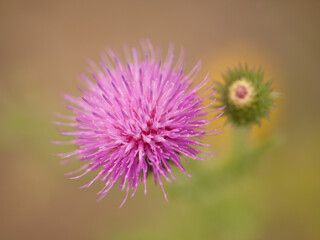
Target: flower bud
(247,98)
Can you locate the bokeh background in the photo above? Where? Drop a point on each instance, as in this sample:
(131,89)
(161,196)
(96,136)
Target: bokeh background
(44,46)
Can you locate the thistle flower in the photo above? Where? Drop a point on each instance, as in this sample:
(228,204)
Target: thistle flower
(136,119)
(246,96)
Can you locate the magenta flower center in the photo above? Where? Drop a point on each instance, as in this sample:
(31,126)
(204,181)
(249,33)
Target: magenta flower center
(241,92)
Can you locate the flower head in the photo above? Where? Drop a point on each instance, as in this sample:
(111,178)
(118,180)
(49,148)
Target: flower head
(246,96)
(138,118)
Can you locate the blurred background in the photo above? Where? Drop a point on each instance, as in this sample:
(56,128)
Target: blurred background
(44,46)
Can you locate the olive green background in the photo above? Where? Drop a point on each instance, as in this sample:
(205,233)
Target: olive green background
(44,46)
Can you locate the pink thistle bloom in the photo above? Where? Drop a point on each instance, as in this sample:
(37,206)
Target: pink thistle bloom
(137,118)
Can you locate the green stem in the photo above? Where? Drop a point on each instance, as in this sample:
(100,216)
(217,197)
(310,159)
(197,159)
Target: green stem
(240,142)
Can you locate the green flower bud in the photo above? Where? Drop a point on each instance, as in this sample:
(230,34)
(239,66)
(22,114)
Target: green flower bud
(246,96)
